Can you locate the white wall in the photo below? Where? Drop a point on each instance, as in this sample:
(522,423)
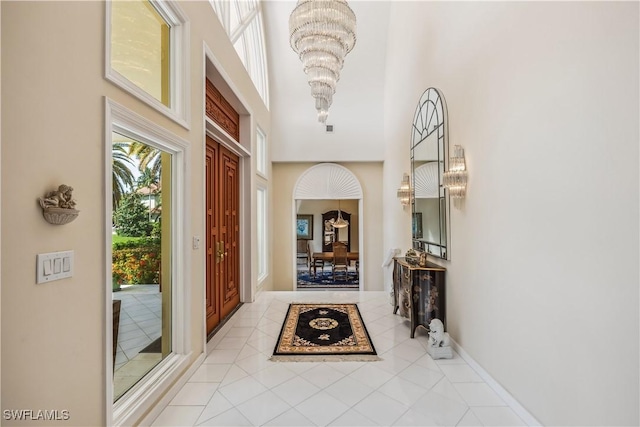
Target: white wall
(542,285)
(356,112)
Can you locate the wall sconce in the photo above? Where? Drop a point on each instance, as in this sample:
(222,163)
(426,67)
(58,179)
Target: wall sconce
(404,192)
(455,179)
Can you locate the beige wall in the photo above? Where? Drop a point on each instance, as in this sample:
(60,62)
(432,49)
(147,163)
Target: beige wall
(285,176)
(542,286)
(53,343)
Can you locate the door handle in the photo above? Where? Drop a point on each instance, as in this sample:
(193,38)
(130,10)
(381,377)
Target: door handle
(220,250)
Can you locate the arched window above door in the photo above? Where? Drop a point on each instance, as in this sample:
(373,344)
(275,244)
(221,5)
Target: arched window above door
(327,181)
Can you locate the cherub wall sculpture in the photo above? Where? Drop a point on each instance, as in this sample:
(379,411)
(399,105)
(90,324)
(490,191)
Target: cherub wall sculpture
(58,206)
(60,198)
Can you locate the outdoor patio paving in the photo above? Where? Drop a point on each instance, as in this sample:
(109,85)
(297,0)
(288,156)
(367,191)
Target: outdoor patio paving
(140,325)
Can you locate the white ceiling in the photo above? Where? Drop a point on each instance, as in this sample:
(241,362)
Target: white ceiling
(357,110)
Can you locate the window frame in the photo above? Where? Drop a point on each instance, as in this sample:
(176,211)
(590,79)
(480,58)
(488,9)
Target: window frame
(261,153)
(249,32)
(262,232)
(139,399)
(179,109)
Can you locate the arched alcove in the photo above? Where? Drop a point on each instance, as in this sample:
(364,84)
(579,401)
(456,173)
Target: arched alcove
(330,181)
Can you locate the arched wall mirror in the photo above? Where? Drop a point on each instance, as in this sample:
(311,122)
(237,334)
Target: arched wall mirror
(429,148)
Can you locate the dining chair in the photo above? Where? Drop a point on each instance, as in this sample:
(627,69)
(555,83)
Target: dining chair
(313,263)
(301,253)
(340,263)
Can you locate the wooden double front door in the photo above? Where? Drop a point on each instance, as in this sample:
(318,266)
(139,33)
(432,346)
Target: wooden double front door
(223,232)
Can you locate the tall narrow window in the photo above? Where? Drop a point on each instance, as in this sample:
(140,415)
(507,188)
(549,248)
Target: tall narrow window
(145,264)
(262,233)
(141,259)
(261,153)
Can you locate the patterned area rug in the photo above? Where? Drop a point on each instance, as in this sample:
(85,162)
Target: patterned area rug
(324,332)
(324,279)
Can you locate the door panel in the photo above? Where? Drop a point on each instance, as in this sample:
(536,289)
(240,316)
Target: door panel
(213,304)
(229,228)
(222,205)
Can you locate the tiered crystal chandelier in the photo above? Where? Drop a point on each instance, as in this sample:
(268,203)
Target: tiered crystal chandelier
(322,33)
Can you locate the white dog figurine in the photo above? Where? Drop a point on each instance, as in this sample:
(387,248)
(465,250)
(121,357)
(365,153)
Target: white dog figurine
(437,336)
(439,341)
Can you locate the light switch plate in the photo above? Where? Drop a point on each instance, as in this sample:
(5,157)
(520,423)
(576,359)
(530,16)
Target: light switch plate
(54,266)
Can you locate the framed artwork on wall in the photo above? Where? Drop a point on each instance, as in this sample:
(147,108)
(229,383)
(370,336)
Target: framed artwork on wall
(304,227)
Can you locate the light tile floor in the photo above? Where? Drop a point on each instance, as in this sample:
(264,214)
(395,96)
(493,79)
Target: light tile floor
(237,385)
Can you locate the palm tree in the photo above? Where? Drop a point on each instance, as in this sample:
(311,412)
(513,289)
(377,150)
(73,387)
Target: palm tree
(122,178)
(148,156)
(149,180)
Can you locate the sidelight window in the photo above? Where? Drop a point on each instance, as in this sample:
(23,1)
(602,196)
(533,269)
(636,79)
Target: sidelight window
(262,232)
(261,153)
(147,331)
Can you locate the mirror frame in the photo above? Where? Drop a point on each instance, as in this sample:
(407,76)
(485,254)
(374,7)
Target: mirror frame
(430,117)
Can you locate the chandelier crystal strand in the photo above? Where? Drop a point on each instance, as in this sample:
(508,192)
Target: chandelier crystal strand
(322,33)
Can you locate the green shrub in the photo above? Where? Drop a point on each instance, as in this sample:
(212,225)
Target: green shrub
(136,243)
(156,231)
(137,261)
(115,239)
(132,217)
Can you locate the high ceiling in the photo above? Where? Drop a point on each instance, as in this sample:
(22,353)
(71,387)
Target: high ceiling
(357,110)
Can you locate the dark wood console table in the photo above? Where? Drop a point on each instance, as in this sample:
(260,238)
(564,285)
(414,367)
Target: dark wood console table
(419,292)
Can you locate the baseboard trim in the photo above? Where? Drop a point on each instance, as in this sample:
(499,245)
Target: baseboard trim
(222,329)
(511,401)
(224,321)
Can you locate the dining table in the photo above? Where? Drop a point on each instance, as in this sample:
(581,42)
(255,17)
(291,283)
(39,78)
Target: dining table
(328,257)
